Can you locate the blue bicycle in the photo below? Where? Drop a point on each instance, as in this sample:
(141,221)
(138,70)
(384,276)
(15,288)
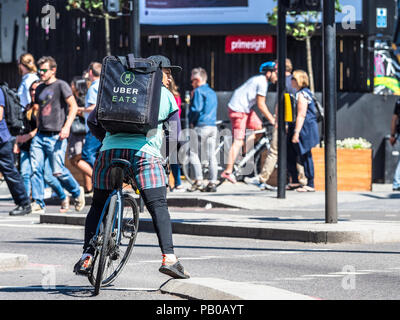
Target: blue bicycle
(117,229)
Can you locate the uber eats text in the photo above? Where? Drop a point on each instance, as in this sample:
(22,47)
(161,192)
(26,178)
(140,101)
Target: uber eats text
(122,94)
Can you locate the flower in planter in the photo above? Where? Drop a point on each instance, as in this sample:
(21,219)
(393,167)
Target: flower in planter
(352,143)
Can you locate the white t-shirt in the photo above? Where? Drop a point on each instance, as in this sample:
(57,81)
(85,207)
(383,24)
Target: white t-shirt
(245,97)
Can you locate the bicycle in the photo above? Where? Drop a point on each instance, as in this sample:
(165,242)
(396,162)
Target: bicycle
(117,229)
(184,157)
(252,161)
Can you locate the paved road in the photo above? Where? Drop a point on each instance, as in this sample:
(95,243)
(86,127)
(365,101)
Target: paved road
(334,271)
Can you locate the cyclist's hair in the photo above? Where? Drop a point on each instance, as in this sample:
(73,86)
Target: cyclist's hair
(174,88)
(200,72)
(52,62)
(302,78)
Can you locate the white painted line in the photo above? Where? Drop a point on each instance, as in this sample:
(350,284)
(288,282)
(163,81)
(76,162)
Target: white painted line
(42,226)
(76,288)
(322,275)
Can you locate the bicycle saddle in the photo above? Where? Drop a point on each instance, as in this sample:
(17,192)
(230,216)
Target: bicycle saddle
(120,163)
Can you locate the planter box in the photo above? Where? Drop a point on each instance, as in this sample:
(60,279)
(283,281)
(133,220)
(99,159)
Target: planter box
(354,169)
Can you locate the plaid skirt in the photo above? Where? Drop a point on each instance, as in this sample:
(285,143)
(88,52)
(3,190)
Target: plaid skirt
(148,170)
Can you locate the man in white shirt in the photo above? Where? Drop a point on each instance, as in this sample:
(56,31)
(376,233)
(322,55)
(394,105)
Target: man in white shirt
(252,92)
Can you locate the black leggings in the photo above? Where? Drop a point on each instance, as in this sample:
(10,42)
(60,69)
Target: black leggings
(156,203)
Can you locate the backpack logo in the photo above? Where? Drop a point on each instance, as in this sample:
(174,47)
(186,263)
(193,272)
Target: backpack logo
(127,78)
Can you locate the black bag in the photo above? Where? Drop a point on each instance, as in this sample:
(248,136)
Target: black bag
(12,110)
(78,125)
(129,94)
(318,108)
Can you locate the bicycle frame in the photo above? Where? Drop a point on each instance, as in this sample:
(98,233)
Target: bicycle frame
(263,141)
(118,212)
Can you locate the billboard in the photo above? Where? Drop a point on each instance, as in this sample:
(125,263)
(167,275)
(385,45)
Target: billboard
(184,12)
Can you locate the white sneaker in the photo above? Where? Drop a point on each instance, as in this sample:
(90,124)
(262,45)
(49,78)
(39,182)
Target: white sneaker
(36,208)
(253,180)
(79,202)
(266,186)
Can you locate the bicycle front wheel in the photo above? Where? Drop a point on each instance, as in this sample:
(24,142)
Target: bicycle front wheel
(106,244)
(120,248)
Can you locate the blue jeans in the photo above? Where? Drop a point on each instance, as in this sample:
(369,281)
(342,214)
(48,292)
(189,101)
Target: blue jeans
(396,178)
(26,173)
(176,171)
(11,175)
(90,148)
(50,146)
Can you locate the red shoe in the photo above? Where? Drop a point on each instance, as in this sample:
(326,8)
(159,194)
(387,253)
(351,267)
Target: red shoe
(228,176)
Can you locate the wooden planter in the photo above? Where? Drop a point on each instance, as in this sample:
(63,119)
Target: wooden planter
(354,169)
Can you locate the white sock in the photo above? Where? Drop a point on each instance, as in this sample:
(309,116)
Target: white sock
(171,257)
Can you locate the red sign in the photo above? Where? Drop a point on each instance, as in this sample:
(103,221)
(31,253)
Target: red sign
(250,44)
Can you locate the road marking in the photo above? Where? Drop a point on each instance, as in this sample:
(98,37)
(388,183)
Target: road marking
(74,288)
(43,226)
(322,275)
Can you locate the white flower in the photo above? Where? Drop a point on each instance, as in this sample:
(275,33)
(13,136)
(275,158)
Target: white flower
(352,143)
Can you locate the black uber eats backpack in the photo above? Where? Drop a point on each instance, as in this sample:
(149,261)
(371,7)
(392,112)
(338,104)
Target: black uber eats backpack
(129,94)
(12,110)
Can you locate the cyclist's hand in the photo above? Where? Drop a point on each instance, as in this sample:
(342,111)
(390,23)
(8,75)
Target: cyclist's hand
(392,140)
(272,121)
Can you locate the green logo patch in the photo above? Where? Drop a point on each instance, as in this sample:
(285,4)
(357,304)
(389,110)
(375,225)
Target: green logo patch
(127,78)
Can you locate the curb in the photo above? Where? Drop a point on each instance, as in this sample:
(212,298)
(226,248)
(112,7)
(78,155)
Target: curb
(172,202)
(11,261)
(220,289)
(349,232)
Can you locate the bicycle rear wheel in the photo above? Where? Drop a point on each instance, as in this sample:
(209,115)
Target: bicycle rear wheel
(187,167)
(118,251)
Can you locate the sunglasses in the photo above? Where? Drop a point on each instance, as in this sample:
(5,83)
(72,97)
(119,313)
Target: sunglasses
(43,70)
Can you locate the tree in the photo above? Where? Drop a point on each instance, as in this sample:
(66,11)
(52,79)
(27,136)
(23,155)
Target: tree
(95,8)
(302,28)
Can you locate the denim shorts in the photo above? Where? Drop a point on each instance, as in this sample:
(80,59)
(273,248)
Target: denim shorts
(148,170)
(90,148)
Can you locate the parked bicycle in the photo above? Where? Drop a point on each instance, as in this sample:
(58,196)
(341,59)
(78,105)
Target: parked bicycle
(117,229)
(250,163)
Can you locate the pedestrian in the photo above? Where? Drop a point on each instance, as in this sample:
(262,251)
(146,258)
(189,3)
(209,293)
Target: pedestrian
(22,146)
(272,157)
(175,166)
(242,114)
(203,118)
(394,132)
(76,139)
(303,134)
(57,109)
(7,168)
(92,144)
(144,153)
(28,70)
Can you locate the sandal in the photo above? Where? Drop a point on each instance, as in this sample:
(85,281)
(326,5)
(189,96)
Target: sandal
(293,186)
(305,189)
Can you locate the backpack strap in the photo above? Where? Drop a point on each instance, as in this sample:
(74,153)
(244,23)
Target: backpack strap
(129,63)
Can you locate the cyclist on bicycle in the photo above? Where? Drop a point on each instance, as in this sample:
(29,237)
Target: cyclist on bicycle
(146,159)
(242,115)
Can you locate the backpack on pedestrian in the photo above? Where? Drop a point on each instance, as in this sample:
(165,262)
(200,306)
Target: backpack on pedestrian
(129,95)
(318,108)
(12,110)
